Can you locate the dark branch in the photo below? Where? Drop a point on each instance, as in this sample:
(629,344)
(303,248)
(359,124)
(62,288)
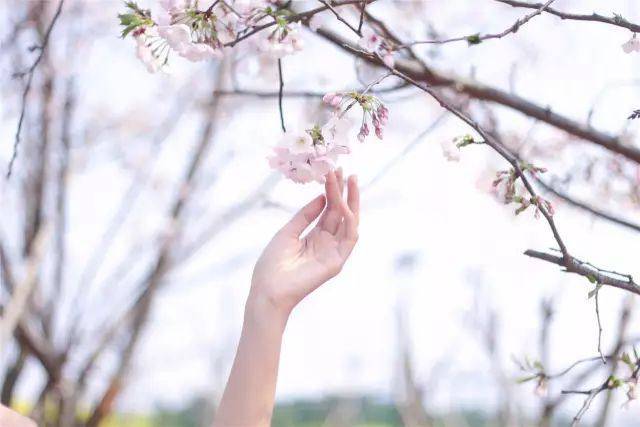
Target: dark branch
(284,129)
(419,72)
(616,20)
(573,265)
(27,88)
(477,38)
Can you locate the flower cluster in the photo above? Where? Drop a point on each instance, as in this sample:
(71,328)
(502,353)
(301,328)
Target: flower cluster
(372,42)
(199,35)
(506,181)
(374,112)
(309,154)
(632,45)
(284,40)
(633,382)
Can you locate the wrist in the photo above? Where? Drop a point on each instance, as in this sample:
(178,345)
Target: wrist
(265,310)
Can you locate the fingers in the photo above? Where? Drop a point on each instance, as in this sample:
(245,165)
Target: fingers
(348,233)
(332,216)
(340,177)
(304,217)
(353,197)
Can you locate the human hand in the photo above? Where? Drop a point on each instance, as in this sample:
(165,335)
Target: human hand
(11,418)
(291,267)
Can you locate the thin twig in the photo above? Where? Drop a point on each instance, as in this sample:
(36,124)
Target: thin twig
(363,8)
(477,38)
(339,17)
(293,18)
(27,88)
(585,207)
(616,20)
(591,395)
(284,129)
(597,299)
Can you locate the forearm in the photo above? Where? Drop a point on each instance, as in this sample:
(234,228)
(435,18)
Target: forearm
(250,392)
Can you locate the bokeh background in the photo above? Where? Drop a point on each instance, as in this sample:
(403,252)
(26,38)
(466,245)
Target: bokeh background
(437,300)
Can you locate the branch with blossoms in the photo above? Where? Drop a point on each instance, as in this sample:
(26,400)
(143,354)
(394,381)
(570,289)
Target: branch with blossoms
(307,154)
(622,365)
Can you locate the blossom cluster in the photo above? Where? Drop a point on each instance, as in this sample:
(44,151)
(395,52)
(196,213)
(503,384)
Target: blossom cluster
(197,35)
(308,154)
(632,45)
(506,181)
(374,113)
(373,43)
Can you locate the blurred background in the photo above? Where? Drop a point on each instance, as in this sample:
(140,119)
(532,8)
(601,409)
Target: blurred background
(139,203)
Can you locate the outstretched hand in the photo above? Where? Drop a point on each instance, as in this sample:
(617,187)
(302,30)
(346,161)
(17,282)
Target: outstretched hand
(292,265)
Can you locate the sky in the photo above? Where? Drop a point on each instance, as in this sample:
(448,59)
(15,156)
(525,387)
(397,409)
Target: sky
(466,247)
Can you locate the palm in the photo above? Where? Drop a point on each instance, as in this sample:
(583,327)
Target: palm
(291,267)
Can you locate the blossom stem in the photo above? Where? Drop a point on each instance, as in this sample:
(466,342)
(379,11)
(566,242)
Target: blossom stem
(280,92)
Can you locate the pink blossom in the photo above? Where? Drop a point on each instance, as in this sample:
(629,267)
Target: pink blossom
(332,99)
(173,6)
(280,44)
(146,55)
(633,45)
(369,41)
(195,52)
(379,133)
(450,150)
(177,36)
(303,158)
(364,131)
(388,60)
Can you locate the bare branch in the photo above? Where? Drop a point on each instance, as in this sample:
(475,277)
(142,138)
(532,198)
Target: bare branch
(585,207)
(477,38)
(616,20)
(27,88)
(573,265)
(284,129)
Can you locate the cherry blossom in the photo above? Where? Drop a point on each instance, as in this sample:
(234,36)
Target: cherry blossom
(285,40)
(633,45)
(146,53)
(370,41)
(199,35)
(450,150)
(308,155)
(373,110)
(177,36)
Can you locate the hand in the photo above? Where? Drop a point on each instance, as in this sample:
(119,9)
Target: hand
(292,267)
(11,418)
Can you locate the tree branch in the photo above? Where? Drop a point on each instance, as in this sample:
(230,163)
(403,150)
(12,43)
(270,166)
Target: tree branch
(616,20)
(417,71)
(477,38)
(27,88)
(573,265)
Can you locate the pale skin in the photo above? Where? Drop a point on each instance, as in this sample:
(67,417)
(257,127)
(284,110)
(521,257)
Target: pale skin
(11,418)
(292,266)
